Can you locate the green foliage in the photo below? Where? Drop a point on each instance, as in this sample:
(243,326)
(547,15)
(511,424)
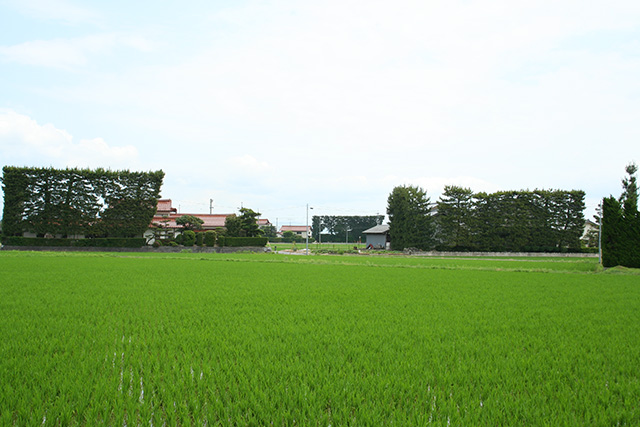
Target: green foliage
(410,222)
(99,203)
(620,235)
(179,239)
(289,236)
(340,228)
(199,239)
(621,225)
(269,231)
(189,238)
(629,196)
(190,222)
(233,226)
(249,223)
(209,238)
(455,217)
(245,225)
(109,242)
(530,221)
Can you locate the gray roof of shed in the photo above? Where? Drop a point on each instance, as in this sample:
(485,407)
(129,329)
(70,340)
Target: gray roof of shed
(378,229)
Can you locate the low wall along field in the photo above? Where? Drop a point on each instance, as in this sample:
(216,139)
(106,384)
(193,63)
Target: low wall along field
(256,339)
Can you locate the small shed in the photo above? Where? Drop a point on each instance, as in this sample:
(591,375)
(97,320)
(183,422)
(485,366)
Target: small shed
(378,236)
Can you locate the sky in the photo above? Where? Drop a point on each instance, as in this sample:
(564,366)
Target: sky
(277,105)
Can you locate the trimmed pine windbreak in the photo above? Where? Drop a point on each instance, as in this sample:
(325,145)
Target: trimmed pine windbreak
(510,221)
(67,202)
(269,340)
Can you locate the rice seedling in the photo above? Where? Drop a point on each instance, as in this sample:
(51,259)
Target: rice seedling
(98,339)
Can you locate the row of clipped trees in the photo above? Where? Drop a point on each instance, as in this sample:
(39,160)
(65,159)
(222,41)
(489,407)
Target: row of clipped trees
(461,220)
(527,221)
(97,203)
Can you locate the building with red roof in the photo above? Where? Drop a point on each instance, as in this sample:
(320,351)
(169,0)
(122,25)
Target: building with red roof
(166,216)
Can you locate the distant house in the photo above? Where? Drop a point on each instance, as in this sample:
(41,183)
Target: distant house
(378,236)
(165,208)
(263,222)
(590,234)
(299,230)
(165,226)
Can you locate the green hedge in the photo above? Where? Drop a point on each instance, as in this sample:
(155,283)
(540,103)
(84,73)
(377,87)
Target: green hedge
(209,238)
(242,241)
(189,238)
(108,242)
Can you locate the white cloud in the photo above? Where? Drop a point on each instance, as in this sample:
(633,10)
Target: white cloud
(331,101)
(50,53)
(24,142)
(58,10)
(249,164)
(72,53)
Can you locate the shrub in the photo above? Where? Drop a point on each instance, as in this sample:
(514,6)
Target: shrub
(189,238)
(199,239)
(210,238)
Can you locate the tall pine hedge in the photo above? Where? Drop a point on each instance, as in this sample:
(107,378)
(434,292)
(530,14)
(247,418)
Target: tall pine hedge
(514,221)
(69,202)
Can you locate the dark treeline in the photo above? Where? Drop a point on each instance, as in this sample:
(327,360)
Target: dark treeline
(94,203)
(522,221)
(621,225)
(339,226)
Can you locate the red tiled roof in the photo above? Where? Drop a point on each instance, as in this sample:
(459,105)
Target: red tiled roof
(165,206)
(166,215)
(210,220)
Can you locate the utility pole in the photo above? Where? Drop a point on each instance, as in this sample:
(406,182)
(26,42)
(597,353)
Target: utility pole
(599,210)
(210,206)
(306,230)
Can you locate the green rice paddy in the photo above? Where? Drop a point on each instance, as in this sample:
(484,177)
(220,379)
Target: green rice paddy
(265,339)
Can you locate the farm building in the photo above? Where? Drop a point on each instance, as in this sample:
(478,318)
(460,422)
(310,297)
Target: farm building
(378,236)
(297,229)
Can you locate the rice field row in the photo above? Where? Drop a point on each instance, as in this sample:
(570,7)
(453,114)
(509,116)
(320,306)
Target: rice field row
(264,339)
